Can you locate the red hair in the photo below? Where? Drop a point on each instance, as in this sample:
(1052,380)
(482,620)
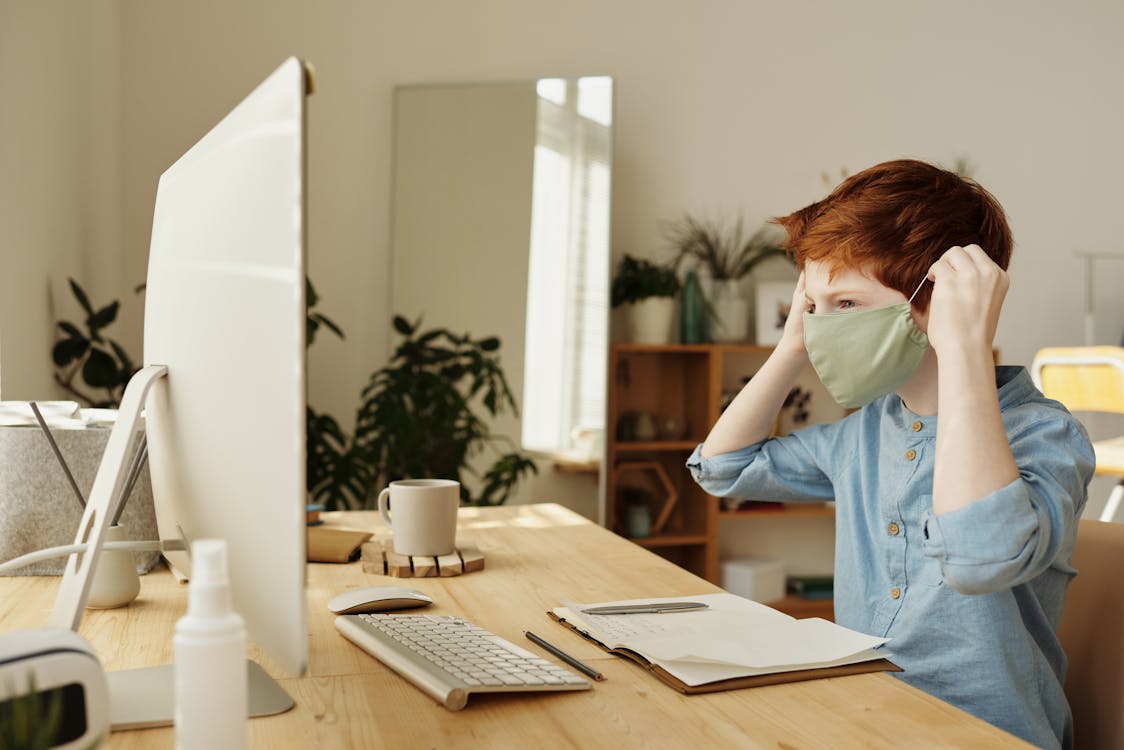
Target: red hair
(894,220)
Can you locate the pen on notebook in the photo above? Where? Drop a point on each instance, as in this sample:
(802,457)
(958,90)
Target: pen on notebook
(650,608)
(579,665)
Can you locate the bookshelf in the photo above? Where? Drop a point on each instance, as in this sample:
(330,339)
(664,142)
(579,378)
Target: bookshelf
(681,387)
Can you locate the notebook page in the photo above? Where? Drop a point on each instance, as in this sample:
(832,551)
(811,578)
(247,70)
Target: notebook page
(725,613)
(761,645)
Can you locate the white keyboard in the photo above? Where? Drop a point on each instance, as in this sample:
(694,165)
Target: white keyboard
(450,658)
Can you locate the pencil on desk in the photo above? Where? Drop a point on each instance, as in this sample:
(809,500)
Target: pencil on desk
(579,665)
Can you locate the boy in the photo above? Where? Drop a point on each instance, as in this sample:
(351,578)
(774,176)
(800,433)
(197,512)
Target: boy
(955,525)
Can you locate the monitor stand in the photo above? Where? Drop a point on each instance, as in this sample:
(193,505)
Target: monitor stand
(143,698)
(138,697)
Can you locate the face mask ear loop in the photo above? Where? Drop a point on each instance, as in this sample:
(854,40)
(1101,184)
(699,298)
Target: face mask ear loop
(918,289)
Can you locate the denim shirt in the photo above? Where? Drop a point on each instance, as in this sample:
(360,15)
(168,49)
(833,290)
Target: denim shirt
(970,599)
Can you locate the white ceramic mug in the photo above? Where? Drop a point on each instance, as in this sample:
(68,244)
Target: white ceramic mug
(424,518)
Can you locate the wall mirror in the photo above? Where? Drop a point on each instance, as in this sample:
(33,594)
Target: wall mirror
(500,226)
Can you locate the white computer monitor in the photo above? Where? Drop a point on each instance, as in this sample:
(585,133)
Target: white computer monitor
(224,349)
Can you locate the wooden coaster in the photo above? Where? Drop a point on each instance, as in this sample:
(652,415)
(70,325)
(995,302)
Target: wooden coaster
(378,557)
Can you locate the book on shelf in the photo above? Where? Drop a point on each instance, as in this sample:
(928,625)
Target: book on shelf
(732,643)
(812,587)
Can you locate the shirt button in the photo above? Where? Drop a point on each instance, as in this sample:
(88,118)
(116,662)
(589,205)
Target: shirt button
(895,592)
(894,528)
(917,427)
(910,454)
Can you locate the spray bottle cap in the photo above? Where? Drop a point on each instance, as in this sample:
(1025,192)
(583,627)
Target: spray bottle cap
(209,590)
(208,562)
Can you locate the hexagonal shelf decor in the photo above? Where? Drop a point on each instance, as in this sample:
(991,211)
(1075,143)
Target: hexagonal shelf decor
(656,468)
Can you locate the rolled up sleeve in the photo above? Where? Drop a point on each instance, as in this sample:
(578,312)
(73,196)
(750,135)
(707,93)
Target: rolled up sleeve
(1017,532)
(790,468)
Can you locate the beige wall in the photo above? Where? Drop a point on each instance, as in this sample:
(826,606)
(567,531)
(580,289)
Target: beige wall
(720,106)
(59,190)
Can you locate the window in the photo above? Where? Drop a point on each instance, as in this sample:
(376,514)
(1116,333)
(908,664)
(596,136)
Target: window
(568,280)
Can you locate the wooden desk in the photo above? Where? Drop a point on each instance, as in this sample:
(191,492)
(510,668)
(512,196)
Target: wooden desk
(536,555)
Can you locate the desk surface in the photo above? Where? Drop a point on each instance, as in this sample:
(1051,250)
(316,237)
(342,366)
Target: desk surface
(536,555)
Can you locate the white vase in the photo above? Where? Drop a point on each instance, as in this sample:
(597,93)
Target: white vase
(651,320)
(730,322)
(115,582)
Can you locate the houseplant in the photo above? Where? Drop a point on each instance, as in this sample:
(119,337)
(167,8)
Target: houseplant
(30,719)
(95,369)
(419,416)
(423,414)
(103,364)
(649,290)
(724,255)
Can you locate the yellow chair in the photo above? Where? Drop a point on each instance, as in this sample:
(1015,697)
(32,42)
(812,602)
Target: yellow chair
(1092,633)
(1088,378)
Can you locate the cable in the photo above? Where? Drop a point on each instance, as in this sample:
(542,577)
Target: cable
(154,545)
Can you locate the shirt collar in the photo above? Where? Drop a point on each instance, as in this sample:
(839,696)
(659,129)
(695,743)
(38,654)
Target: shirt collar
(1013,383)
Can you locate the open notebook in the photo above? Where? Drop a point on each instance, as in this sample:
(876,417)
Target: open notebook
(733,643)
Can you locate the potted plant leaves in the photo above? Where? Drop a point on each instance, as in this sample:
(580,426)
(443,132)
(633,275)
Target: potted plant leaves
(84,350)
(724,256)
(648,289)
(424,414)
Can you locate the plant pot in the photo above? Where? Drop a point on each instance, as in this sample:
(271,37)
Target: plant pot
(731,313)
(115,582)
(651,320)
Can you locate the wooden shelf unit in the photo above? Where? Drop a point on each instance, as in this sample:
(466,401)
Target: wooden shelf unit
(685,382)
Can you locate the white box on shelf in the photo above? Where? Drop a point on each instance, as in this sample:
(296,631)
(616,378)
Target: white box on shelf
(761,579)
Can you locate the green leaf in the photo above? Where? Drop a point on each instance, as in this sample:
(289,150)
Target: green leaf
(80,295)
(103,317)
(403,326)
(127,366)
(66,351)
(428,337)
(100,371)
(327,322)
(71,330)
(310,295)
(490,344)
(310,326)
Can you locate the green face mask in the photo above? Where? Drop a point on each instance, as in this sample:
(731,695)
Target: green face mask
(860,356)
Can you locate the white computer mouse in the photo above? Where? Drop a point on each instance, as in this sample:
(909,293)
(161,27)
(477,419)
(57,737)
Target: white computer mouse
(377,599)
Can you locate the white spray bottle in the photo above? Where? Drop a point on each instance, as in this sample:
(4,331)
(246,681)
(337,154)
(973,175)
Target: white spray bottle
(210,658)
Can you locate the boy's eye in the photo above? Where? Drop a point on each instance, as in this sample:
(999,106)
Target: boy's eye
(847,304)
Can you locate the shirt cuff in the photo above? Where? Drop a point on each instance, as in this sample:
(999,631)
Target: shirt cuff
(722,466)
(994,529)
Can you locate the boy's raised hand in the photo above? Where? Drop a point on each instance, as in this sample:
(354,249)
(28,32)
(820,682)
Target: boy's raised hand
(968,292)
(792,339)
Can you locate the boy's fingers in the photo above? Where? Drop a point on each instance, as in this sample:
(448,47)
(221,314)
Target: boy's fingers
(941,268)
(957,257)
(980,258)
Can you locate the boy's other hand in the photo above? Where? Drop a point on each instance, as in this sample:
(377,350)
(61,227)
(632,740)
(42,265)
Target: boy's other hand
(968,292)
(792,339)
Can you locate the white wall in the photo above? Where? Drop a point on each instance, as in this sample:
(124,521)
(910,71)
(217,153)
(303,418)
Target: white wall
(59,193)
(721,106)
